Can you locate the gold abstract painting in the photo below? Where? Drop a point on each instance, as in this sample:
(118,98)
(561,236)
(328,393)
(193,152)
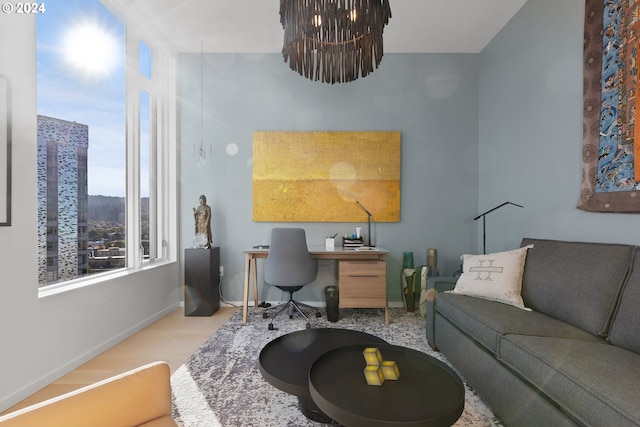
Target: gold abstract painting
(319,176)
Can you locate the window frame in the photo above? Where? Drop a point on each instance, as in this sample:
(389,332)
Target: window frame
(161,88)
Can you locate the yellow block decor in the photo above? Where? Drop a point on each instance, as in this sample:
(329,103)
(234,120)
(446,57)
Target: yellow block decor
(374,375)
(319,176)
(377,369)
(372,356)
(390,370)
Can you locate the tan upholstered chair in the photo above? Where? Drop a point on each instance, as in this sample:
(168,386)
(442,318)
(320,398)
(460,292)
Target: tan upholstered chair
(141,397)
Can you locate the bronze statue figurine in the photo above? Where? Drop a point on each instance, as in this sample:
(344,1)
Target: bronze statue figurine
(202,216)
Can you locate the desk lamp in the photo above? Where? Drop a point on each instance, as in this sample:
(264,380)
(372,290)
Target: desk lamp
(368,221)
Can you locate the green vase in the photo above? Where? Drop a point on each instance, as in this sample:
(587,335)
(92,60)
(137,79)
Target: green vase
(407,260)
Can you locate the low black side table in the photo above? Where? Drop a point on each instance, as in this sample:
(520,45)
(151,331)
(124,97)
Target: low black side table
(285,361)
(427,394)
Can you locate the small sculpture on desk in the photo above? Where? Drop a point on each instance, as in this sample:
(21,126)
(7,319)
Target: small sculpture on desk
(202,216)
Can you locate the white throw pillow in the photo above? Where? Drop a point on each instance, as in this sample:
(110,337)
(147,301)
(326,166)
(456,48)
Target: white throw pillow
(496,277)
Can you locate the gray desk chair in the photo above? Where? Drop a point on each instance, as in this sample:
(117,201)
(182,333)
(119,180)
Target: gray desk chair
(289,267)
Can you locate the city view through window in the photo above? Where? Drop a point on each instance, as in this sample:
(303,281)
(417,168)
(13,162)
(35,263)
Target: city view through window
(82,142)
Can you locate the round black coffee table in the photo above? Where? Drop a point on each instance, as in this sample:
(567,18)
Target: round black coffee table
(285,361)
(428,392)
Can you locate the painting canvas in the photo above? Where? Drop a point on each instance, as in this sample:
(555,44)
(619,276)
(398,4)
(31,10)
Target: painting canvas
(319,176)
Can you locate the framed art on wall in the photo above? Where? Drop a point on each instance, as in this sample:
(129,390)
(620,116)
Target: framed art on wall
(611,138)
(319,176)
(5,151)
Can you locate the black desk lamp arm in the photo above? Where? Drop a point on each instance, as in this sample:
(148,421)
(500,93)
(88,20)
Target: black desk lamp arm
(368,220)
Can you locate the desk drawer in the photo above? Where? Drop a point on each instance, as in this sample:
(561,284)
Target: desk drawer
(363,284)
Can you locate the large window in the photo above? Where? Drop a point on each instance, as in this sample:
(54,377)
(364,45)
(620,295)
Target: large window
(99,134)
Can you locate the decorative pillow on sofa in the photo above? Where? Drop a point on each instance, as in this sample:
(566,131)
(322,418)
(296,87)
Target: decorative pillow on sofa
(496,277)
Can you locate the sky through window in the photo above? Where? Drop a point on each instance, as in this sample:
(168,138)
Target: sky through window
(81,78)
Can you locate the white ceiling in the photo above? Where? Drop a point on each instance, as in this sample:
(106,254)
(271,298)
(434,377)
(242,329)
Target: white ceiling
(253,26)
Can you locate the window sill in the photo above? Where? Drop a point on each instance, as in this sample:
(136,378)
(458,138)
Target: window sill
(59,288)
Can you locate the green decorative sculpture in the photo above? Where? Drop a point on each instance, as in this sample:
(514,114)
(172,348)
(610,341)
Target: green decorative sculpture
(408,282)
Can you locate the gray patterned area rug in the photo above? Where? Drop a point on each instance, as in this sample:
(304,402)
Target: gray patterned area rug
(221,383)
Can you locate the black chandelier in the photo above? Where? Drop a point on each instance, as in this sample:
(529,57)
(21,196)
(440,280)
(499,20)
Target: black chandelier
(333,41)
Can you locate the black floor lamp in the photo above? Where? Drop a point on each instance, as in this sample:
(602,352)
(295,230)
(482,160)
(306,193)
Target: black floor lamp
(484,225)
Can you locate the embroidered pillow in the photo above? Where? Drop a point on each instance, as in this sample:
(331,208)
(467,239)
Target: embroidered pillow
(496,277)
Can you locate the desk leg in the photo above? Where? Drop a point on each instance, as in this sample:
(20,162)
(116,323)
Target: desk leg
(254,263)
(386,315)
(247,273)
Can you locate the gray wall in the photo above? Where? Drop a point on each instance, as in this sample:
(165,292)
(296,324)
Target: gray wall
(531,131)
(477,130)
(432,99)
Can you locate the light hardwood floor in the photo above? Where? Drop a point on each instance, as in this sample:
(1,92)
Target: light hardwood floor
(173,339)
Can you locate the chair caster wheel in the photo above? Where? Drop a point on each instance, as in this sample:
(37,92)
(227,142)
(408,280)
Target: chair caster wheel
(291,316)
(318,314)
(308,325)
(265,315)
(271,328)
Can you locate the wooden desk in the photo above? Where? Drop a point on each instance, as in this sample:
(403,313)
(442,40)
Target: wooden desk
(362,276)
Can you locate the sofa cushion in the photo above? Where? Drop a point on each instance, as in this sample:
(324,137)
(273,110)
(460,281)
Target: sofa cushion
(486,321)
(140,397)
(575,281)
(496,277)
(594,382)
(625,328)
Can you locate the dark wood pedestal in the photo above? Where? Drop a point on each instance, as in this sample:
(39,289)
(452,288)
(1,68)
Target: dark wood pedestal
(201,281)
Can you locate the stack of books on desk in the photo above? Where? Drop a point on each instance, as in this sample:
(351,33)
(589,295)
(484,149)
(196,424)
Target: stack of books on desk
(352,243)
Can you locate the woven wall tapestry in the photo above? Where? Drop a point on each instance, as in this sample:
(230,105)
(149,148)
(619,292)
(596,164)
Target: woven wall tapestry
(611,141)
(318,176)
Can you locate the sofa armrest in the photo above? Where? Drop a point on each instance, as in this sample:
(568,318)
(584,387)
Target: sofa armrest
(129,399)
(435,285)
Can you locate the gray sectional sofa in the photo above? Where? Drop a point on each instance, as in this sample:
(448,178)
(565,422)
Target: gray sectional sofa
(574,359)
